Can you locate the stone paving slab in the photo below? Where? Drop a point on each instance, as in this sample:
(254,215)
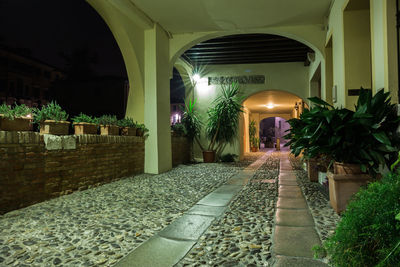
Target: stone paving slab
(291,203)
(228,189)
(206,210)
(291,194)
(291,189)
(187,227)
(284,261)
(157,252)
(295,241)
(216,200)
(292,217)
(288,182)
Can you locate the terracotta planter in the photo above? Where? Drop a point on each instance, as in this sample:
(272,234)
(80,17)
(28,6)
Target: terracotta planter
(18,124)
(128,131)
(254,149)
(312,170)
(343,186)
(54,127)
(209,156)
(85,128)
(346,168)
(109,130)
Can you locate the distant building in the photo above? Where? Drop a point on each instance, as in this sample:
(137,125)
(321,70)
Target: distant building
(24,79)
(176,112)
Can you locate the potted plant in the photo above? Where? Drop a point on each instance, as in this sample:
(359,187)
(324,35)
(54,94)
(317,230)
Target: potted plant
(128,126)
(254,143)
(18,118)
(52,119)
(192,124)
(141,130)
(85,124)
(178,130)
(358,142)
(222,123)
(108,125)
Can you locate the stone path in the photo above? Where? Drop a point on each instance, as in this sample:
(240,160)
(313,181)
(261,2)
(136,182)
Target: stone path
(294,233)
(170,245)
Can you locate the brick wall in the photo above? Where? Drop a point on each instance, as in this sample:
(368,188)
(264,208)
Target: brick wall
(181,150)
(31,173)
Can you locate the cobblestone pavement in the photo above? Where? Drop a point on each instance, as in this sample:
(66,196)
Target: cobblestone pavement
(101,225)
(242,236)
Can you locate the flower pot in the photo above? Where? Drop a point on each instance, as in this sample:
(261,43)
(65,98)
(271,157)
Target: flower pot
(312,170)
(346,168)
(342,187)
(85,128)
(139,132)
(254,149)
(54,127)
(109,130)
(209,156)
(17,124)
(128,131)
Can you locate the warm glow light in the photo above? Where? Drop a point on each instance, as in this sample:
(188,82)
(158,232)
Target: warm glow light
(270,106)
(196,77)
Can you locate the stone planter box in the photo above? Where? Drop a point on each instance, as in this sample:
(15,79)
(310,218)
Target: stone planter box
(85,128)
(128,131)
(109,130)
(54,127)
(342,187)
(17,124)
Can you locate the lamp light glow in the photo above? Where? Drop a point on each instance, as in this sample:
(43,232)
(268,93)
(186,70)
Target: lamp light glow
(196,77)
(270,106)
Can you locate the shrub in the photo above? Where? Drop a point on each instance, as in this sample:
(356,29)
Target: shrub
(17,112)
(228,157)
(84,118)
(368,233)
(107,120)
(127,122)
(179,129)
(51,111)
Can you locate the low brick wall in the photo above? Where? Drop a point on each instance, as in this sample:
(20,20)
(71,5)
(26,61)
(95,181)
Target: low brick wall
(31,173)
(181,150)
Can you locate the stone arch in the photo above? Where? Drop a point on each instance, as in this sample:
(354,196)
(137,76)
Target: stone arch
(130,51)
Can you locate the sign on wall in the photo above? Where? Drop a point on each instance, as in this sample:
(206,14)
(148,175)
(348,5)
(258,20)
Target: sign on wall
(252,79)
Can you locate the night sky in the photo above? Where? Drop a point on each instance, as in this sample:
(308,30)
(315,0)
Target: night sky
(48,27)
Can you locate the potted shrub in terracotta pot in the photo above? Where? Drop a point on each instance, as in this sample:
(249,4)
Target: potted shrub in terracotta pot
(359,142)
(222,123)
(108,125)
(85,124)
(128,126)
(254,142)
(17,118)
(52,119)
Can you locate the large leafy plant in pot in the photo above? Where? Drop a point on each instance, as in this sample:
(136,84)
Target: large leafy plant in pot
(222,123)
(254,141)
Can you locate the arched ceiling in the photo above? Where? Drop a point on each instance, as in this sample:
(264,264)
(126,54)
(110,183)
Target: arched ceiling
(183,16)
(283,102)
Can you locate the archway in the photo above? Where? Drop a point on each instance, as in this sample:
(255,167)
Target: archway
(272,107)
(272,129)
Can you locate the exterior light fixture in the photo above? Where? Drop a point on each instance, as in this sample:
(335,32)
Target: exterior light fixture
(270,106)
(196,77)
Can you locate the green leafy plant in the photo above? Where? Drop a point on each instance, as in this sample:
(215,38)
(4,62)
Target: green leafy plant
(127,122)
(223,118)
(228,157)
(17,111)
(107,120)
(143,131)
(254,142)
(192,123)
(84,118)
(365,136)
(179,129)
(369,231)
(51,111)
